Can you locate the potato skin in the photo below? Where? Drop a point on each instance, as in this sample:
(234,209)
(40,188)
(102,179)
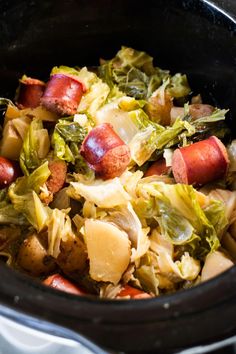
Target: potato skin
(198,110)
(73,257)
(32,257)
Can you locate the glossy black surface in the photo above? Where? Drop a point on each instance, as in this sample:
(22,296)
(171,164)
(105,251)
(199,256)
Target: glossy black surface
(189,36)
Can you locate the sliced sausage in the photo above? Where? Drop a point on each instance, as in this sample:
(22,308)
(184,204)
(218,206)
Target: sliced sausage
(33,257)
(157,168)
(62,95)
(9,171)
(29,93)
(132,293)
(58,282)
(201,162)
(105,152)
(56,180)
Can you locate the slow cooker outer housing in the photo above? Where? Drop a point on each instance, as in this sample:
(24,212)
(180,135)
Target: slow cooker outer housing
(193,37)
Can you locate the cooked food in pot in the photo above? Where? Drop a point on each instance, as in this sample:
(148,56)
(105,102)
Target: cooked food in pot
(116,182)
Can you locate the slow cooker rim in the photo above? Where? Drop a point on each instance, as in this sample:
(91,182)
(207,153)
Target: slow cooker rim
(167,305)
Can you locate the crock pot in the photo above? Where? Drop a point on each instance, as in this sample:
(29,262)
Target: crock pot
(193,37)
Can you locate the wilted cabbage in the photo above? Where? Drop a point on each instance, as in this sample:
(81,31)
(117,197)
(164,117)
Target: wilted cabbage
(36,146)
(24,198)
(133,72)
(105,194)
(67,138)
(183,220)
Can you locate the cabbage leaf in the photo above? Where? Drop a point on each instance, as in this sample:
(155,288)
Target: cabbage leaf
(8,214)
(33,143)
(67,138)
(134,74)
(147,273)
(105,194)
(153,137)
(24,198)
(183,220)
(126,219)
(94,98)
(210,125)
(59,229)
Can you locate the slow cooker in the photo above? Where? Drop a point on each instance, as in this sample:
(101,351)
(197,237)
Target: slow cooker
(196,37)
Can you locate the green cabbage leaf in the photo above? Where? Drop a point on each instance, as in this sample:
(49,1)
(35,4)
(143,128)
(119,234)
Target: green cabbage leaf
(182,219)
(104,194)
(67,138)
(23,194)
(33,144)
(134,74)
(8,214)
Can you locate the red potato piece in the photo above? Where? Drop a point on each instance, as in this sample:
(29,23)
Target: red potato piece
(30,93)
(157,168)
(198,110)
(62,95)
(58,282)
(176,112)
(105,152)
(201,162)
(56,180)
(9,171)
(133,293)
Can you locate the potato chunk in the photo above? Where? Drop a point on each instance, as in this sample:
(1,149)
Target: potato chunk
(11,142)
(108,250)
(216,263)
(73,256)
(33,258)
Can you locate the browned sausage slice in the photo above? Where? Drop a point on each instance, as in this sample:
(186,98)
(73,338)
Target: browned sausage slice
(56,180)
(30,93)
(201,162)
(62,95)
(157,168)
(58,282)
(105,152)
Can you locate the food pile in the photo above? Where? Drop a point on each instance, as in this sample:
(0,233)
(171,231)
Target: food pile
(116,181)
